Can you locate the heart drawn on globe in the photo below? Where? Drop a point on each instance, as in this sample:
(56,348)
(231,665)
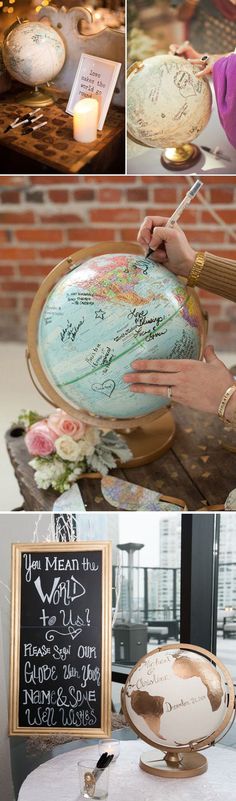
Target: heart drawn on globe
(107,387)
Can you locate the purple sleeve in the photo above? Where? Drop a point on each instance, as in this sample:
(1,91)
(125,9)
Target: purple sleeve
(224,79)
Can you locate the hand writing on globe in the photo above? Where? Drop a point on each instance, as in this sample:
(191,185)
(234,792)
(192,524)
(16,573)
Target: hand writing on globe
(187,51)
(170,245)
(198,385)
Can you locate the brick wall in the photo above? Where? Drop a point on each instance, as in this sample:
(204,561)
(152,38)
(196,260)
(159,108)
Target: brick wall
(44,219)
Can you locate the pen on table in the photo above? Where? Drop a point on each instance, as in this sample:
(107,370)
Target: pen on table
(22,120)
(11,125)
(31,128)
(177,213)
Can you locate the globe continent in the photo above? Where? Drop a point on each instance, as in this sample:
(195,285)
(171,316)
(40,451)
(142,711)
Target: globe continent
(166,104)
(101,316)
(174,698)
(33,53)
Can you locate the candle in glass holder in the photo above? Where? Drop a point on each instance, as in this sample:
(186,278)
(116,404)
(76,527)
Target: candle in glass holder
(110,747)
(85,120)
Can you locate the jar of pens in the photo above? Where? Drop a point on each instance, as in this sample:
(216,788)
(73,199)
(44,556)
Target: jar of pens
(29,122)
(94,776)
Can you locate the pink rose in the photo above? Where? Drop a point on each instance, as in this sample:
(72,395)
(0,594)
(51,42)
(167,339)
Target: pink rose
(62,424)
(40,440)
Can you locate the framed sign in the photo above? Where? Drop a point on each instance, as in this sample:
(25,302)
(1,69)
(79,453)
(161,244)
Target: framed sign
(60,677)
(95,77)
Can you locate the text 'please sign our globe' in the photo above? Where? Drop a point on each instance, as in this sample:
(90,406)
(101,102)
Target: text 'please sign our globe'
(174,698)
(105,313)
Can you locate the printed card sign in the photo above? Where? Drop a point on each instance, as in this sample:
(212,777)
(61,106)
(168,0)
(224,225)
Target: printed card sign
(61,633)
(95,77)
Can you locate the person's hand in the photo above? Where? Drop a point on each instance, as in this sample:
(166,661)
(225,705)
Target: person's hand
(187,51)
(170,245)
(198,385)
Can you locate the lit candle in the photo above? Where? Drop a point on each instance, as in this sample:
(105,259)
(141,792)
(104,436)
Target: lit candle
(85,120)
(110,747)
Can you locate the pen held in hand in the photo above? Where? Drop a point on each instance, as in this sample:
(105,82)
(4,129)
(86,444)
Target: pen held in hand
(180,208)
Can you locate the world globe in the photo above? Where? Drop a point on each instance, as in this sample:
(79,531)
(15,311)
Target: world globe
(103,314)
(167,105)
(33,53)
(178,700)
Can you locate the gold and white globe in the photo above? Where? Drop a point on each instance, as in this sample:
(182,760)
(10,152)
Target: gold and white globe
(167,105)
(178,700)
(33,53)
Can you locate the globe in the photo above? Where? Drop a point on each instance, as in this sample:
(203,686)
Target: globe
(33,53)
(106,312)
(174,698)
(167,105)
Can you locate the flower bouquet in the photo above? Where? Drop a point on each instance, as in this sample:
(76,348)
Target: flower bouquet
(65,449)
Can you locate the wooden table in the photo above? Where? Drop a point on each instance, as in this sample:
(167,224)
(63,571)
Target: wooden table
(197,468)
(53,146)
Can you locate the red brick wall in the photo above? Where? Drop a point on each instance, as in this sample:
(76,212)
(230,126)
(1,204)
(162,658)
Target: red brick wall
(43,219)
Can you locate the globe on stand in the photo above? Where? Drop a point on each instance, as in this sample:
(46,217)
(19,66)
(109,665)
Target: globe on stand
(33,54)
(179,699)
(93,315)
(167,107)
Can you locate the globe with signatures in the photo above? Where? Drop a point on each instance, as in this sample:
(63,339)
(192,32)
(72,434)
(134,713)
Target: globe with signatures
(175,698)
(33,53)
(105,313)
(167,105)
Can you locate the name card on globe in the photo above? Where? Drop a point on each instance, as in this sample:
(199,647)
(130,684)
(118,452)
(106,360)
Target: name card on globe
(61,639)
(95,77)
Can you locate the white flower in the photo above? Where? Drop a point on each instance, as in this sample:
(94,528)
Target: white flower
(67,448)
(92,435)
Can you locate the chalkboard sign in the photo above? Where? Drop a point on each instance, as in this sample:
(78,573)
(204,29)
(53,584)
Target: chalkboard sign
(61,639)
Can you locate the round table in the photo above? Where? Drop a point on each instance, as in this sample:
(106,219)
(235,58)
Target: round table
(57,779)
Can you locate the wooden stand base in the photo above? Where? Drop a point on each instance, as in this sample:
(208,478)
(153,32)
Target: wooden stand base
(178,765)
(180,158)
(150,441)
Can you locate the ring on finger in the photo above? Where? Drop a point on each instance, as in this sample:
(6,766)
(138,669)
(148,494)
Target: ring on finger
(205,58)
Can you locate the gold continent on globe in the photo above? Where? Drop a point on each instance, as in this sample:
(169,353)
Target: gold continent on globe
(33,53)
(173,698)
(167,105)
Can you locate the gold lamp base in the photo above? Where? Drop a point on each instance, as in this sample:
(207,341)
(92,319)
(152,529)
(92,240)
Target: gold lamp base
(180,158)
(150,441)
(173,765)
(36,97)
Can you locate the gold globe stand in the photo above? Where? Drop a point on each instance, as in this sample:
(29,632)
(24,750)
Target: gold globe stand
(151,440)
(36,97)
(148,436)
(176,765)
(180,158)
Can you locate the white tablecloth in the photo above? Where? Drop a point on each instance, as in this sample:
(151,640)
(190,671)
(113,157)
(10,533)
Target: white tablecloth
(147,160)
(57,779)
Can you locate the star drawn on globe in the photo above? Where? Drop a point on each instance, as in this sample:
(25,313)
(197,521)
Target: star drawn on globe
(100,314)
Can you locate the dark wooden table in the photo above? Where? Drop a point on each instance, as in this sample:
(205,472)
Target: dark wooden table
(197,468)
(52,147)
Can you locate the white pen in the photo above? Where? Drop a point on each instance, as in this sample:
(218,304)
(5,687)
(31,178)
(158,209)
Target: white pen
(26,119)
(34,119)
(32,128)
(177,213)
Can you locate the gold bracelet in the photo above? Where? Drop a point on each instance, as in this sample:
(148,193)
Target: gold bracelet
(196,270)
(223,403)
